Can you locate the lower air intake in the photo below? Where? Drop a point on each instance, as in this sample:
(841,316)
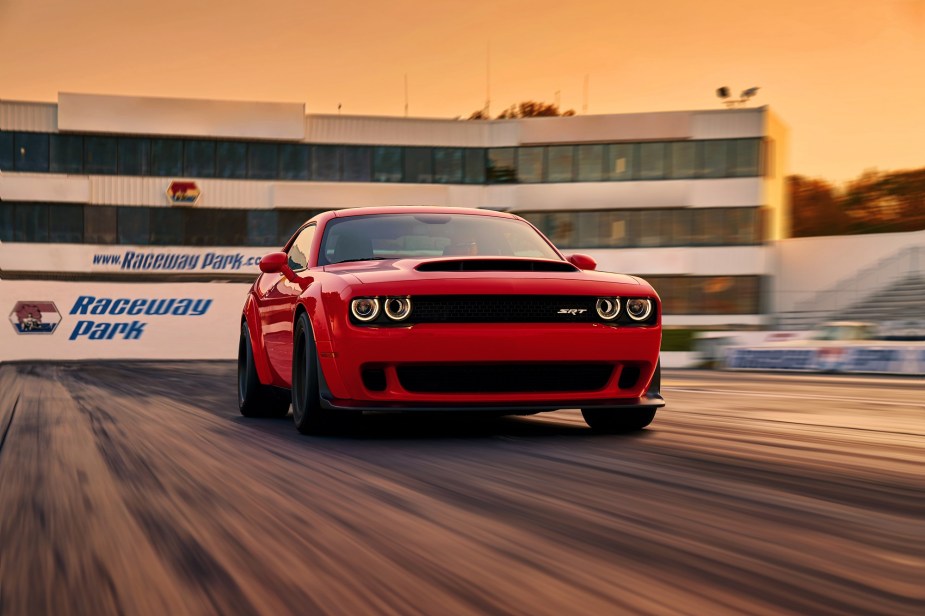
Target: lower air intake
(505,378)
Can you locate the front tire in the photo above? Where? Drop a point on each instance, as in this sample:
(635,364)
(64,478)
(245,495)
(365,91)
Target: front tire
(616,421)
(307,413)
(254,398)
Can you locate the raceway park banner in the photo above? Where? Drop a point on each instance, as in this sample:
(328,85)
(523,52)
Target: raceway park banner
(870,358)
(76,320)
(16,257)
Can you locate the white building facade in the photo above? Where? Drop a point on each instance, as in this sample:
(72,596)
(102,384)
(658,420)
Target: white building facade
(690,200)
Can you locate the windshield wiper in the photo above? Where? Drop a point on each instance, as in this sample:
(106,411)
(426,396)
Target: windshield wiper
(360,259)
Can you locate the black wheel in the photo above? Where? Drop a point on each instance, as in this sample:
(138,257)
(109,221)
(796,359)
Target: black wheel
(616,421)
(307,413)
(254,398)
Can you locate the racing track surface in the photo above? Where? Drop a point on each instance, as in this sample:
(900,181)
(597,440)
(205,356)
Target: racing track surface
(138,489)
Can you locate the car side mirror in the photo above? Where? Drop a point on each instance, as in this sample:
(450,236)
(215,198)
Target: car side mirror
(583,262)
(278,263)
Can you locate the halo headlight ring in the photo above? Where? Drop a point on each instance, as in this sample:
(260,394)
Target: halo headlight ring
(639,308)
(398,308)
(608,308)
(365,309)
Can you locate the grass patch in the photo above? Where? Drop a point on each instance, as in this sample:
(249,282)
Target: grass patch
(678,339)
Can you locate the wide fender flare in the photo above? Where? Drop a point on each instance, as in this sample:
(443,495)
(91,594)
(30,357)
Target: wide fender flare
(261,361)
(313,302)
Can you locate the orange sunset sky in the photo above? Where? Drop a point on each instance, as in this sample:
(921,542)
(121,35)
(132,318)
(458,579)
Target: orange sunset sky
(847,76)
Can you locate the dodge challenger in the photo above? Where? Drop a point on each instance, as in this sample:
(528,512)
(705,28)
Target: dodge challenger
(405,308)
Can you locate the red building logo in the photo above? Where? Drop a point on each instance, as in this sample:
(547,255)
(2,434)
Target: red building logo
(183,192)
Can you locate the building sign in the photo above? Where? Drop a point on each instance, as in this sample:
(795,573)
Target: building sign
(183,192)
(118,320)
(35,317)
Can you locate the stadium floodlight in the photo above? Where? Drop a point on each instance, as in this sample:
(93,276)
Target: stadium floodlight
(731,103)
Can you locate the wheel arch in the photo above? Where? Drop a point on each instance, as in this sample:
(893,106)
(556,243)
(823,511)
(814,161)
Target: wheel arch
(261,361)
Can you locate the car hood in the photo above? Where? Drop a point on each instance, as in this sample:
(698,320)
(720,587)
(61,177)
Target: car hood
(505,272)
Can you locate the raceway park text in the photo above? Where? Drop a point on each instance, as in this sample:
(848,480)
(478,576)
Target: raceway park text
(159,261)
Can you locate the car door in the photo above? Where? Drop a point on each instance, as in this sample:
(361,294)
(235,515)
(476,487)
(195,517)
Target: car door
(276,303)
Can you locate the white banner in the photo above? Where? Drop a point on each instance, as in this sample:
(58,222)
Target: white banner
(871,357)
(17,257)
(74,320)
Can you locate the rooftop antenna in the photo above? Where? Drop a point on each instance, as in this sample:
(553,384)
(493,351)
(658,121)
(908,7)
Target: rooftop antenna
(406,95)
(731,103)
(488,81)
(584,104)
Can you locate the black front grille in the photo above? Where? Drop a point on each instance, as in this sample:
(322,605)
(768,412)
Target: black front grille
(504,378)
(503,309)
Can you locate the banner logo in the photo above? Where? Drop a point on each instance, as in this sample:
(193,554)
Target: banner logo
(35,317)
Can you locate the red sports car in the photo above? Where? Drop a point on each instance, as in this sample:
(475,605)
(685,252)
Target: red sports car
(444,309)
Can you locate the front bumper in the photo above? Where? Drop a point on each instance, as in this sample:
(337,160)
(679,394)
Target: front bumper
(342,363)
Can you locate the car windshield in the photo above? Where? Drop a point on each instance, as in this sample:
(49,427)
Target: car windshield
(419,236)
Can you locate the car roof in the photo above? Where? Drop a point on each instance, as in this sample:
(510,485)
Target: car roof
(417,209)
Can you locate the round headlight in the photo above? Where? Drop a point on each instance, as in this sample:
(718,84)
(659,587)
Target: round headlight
(608,308)
(639,309)
(365,308)
(398,308)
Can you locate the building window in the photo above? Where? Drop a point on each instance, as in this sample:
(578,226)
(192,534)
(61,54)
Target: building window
(6,151)
(475,166)
(683,159)
(290,221)
(561,229)
(262,228)
(386,164)
(30,152)
(652,161)
(66,224)
(134,156)
(199,159)
(100,225)
(607,229)
(448,165)
(326,163)
(746,159)
(293,162)
(622,161)
(419,165)
(66,154)
(231,159)
(530,164)
(134,225)
(501,169)
(560,163)
(262,161)
(166,157)
(168,226)
(714,159)
(590,163)
(100,155)
(358,165)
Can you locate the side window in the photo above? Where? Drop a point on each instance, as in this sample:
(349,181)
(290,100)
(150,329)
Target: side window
(301,248)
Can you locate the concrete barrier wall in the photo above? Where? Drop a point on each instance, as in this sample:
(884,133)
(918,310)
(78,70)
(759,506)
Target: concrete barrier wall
(76,320)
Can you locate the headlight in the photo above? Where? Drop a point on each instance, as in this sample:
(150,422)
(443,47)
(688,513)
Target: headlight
(639,309)
(608,308)
(398,308)
(365,308)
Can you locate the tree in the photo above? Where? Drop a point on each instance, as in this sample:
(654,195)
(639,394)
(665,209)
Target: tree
(526,109)
(875,202)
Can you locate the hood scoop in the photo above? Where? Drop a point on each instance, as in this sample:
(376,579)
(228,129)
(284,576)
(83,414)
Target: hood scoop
(495,265)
